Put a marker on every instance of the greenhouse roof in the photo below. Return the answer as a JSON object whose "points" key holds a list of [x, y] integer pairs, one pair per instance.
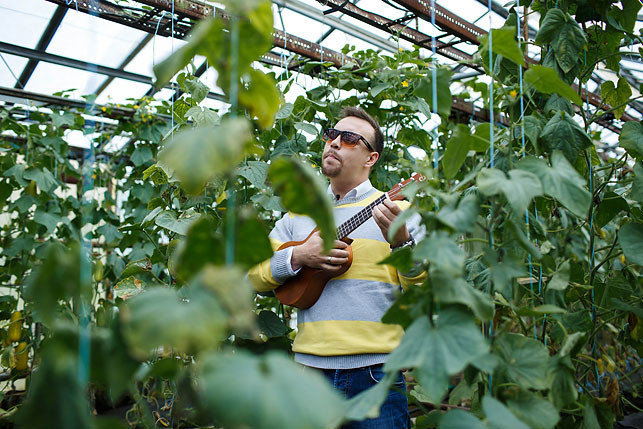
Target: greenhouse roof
{"points": [[109, 47]]}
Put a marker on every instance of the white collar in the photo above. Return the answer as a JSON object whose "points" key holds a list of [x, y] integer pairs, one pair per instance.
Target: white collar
{"points": [[357, 192]]}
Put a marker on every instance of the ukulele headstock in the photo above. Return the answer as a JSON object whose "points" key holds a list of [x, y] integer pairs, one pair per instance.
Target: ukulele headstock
{"points": [[395, 195]]}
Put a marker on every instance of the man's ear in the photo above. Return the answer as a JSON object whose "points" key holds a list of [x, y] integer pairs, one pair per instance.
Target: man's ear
{"points": [[372, 159]]}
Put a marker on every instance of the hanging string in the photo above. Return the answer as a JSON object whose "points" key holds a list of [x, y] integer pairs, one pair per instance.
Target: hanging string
{"points": [[434, 79], [491, 162], [68, 2], [234, 90]]}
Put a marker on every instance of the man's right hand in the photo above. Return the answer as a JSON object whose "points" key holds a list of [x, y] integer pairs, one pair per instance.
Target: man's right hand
{"points": [[310, 254]]}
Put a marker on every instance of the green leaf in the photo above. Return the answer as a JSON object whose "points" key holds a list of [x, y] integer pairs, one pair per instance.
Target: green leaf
{"points": [[197, 89], [202, 115], [307, 128], [442, 252], [261, 97], [499, 416], [271, 325], [630, 236], [302, 191], [519, 189], [568, 45], [202, 245], [564, 134], [533, 127], [58, 278], [560, 279], [637, 184], [43, 178], [255, 172], [561, 181], [305, 398], [611, 205], [157, 173], [252, 243], [284, 111], [460, 419], [137, 267], [110, 232], [504, 43], [524, 242], [524, 361], [456, 152], [438, 350], [168, 220], [561, 374], [448, 290], [401, 259], [545, 80], [424, 89], [17, 172], [205, 153], [67, 118], [464, 217], [47, 219], [141, 155], [616, 96], [551, 23], [128, 287], [556, 103], [631, 138]]}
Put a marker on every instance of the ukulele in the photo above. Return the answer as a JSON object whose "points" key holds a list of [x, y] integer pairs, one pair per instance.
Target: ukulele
{"points": [[304, 289]]}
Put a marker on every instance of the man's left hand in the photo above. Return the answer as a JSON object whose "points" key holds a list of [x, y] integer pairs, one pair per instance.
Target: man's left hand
{"points": [[384, 214]]}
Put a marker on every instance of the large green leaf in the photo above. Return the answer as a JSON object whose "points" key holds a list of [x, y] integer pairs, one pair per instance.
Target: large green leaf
{"points": [[202, 245], [442, 252], [169, 221], [50, 221], [499, 416], [545, 80], [519, 189], [552, 22], [631, 138], [560, 181], [616, 95], [58, 278], [637, 184], [255, 172], [438, 350], [450, 290], [261, 97], [630, 236], [524, 361], [202, 154], [460, 419], [504, 43], [611, 205], [564, 134], [568, 44], [458, 146], [302, 191], [463, 217], [561, 373], [532, 409], [424, 89], [239, 390], [43, 178]]}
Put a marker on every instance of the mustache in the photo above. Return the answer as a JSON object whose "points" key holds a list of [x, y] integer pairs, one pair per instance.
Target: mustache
{"points": [[333, 153]]}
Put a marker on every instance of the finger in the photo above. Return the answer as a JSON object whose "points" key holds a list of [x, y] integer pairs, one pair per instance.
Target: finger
{"points": [[335, 253], [390, 216], [340, 244], [394, 208]]}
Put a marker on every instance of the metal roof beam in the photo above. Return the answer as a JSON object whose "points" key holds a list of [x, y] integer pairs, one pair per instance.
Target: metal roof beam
{"points": [[82, 65], [334, 22], [42, 45]]}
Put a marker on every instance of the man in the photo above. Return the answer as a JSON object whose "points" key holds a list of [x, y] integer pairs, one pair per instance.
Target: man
{"points": [[341, 334]]}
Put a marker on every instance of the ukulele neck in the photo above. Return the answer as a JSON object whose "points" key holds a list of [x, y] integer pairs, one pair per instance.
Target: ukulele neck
{"points": [[356, 220]]}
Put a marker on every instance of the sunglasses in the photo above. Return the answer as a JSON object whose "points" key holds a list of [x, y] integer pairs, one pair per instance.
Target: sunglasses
{"points": [[349, 138]]}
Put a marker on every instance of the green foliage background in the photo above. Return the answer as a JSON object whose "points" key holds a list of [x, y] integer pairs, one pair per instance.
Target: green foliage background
{"points": [[129, 267]]}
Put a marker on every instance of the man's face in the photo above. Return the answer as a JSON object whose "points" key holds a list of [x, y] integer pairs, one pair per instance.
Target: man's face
{"points": [[344, 160]]}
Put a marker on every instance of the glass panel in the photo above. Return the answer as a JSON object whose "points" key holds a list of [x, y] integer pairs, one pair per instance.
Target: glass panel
{"points": [[93, 39], [24, 21], [50, 78], [154, 52], [119, 90], [10, 71]]}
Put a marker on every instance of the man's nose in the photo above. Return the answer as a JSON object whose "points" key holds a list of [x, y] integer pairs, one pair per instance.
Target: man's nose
{"points": [[336, 144]]}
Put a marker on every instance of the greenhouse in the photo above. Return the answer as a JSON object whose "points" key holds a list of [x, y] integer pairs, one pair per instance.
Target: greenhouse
{"points": [[321, 214]]}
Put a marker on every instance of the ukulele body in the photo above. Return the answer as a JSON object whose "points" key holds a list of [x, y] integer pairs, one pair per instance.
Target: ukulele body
{"points": [[304, 289]]}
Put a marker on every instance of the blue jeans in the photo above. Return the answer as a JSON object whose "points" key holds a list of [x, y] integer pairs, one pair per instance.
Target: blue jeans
{"points": [[394, 412]]}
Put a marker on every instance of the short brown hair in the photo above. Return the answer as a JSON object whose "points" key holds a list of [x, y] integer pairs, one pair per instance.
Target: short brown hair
{"points": [[358, 112]]}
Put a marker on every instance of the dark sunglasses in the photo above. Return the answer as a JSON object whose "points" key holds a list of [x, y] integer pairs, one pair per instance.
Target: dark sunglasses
{"points": [[349, 138]]}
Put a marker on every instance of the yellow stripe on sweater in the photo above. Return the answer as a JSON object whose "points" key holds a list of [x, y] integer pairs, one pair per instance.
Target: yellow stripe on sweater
{"points": [[346, 337], [365, 253]]}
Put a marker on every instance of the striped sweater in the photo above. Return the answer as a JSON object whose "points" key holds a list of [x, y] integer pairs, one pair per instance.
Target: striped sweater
{"points": [[343, 328]]}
